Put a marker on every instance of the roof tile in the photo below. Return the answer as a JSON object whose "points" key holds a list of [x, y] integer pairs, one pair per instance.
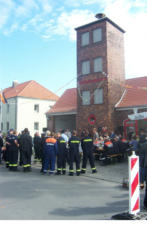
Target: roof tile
{"points": [[66, 103], [136, 93], [30, 89]]}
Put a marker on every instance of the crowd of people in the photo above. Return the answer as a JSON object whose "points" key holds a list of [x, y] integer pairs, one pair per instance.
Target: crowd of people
{"points": [[56, 151]]}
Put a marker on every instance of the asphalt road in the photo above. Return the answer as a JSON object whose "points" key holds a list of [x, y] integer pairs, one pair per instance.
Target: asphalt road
{"points": [[34, 196]]}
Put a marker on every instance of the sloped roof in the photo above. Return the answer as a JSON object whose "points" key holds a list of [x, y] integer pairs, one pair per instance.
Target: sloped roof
{"points": [[67, 103], [135, 93], [30, 89]]}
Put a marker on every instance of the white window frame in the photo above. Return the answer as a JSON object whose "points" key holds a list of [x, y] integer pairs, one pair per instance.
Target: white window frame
{"points": [[85, 67], [87, 100], [98, 65], [85, 39], [97, 35], [100, 99]]}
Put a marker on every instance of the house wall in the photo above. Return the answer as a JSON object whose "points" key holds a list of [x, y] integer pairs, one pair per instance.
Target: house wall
{"points": [[22, 114], [9, 116], [27, 116]]}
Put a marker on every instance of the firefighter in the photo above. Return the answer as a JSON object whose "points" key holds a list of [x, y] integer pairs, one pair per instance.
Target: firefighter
{"points": [[87, 147], [42, 152], [37, 147], [143, 165], [61, 156], [74, 154], [26, 150], [50, 149], [108, 148], [12, 142], [123, 145], [6, 153]]}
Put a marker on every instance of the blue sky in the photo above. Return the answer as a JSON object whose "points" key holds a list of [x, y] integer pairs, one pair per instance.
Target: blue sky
{"points": [[38, 40]]}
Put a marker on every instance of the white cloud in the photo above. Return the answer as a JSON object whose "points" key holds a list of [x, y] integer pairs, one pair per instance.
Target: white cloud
{"points": [[67, 22], [61, 17], [131, 16], [46, 5], [6, 8], [24, 9]]}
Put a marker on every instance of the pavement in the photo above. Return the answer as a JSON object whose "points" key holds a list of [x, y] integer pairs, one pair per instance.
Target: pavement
{"points": [[32, 196]]}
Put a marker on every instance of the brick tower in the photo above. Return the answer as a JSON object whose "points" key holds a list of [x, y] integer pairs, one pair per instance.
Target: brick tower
{"points": [[100, 72]]}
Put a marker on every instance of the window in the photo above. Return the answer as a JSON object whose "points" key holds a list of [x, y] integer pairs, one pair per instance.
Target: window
{"points": [[8, 108], [8, 127], [97, 35], [85, 97], [98, 96], [36, 108], [86, 67], [85, 39], [98, 67], [36, 126]]}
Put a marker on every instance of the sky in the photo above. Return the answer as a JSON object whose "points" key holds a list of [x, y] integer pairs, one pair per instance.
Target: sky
{"points": [[38, 38]]}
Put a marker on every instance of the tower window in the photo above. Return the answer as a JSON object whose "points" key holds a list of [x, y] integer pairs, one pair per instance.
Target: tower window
{"points": [[98, 96], [85, 67], [98, 65], [85, 97], [97, 35], [85, 39]]}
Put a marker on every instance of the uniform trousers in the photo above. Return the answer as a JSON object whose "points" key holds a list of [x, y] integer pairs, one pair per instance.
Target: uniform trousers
{"points": [[49, 160]]}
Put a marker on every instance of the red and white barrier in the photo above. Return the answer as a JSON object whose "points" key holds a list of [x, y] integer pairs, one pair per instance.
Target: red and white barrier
{"points": [[134, 192]]}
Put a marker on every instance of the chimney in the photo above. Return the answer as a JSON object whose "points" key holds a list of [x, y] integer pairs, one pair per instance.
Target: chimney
{"points": [[100, 16], [14, 83]]}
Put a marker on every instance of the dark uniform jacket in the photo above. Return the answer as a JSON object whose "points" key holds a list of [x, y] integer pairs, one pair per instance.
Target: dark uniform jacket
{"points": [[87, 144], [143, 154], [37, 143], [61, 145], [74, 144], [1, 142], [26, 143]]}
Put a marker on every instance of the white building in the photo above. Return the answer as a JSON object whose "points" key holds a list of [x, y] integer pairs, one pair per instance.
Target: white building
{"points": [[26, 106]]}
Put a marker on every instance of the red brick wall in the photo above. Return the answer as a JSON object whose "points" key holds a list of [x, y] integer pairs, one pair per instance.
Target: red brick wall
{"points": [[116, 70], [112, 52]]}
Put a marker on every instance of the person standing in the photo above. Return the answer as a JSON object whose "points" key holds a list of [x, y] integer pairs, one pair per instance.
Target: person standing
{"points": [[61, 156], [26, 149], [87, 147], [50, 149], [13, 151], [6, 153], [143, 150], [140, 152], [37, 146], [74, 154], [1, 145]]}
